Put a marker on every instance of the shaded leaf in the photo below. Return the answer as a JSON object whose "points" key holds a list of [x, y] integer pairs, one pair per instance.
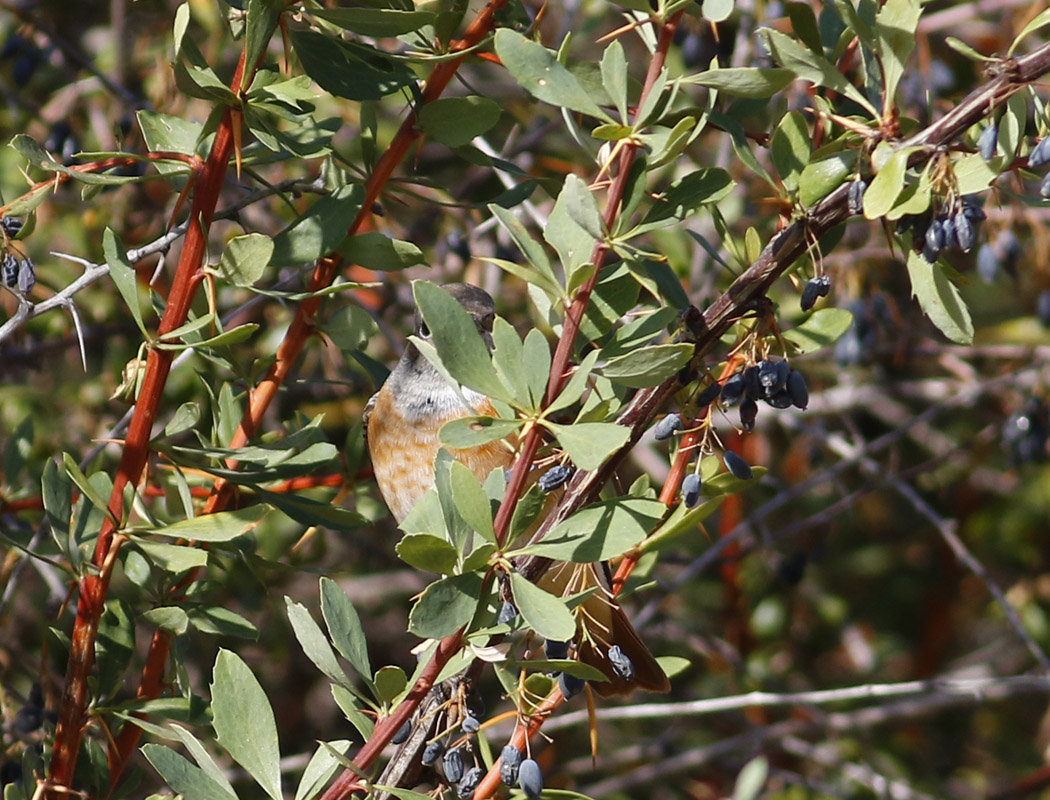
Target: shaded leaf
{"points": [[590, 443], [344, 627], [445, 606], [542, 611], [600, 531], [940, 299]]}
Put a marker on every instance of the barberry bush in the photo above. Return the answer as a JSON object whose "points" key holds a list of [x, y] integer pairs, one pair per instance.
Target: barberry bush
{"points": [[774, 333]]}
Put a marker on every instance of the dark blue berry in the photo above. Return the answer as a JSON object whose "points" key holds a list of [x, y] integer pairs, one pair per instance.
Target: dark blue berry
{"points": [[708, 395], [1040, 154], [570, 685], [988, 142], [554, 650], [554, 478], [797, 390], [733, 389], [509, 762], [667, 427], [469, 782], [432, 752], [621, 663], [452, 765], [530, 778], [737, 465], [748, 414], [965, 234], [855, 199], [402, 733], [691, 490]]}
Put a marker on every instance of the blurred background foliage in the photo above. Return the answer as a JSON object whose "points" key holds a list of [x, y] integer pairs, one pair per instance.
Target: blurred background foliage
{"points": [[837, 576]]}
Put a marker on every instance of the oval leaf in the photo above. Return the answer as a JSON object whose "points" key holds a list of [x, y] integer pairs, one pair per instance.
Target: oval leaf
{"points": [[544, 613], [244, 722]]}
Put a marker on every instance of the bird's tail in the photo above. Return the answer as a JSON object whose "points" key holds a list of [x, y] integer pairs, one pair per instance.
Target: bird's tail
{"points": [[605, 638]]}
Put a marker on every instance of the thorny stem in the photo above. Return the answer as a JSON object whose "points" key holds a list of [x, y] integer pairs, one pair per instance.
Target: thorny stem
{"points": [[94, 587], [263, 394]]}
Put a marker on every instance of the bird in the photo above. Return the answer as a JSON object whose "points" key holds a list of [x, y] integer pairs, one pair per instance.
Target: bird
{"points": [[402, 421]]}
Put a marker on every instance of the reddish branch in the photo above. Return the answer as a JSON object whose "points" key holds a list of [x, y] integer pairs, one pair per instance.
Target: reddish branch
{"points": [[94, 587], [151, 682]]}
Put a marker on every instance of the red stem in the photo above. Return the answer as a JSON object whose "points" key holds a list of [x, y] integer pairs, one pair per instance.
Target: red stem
{"points": [[94, 587]]}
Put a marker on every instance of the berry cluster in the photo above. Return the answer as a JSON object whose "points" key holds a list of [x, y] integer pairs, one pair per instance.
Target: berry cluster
{"points": [[954, 227], [18, 274]]}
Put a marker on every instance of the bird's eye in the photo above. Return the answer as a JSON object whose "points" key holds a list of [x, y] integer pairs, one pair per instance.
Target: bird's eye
{"points": [[424, 331]]}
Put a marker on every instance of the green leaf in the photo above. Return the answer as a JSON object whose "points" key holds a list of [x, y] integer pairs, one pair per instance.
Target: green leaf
{"points": [[790, 148], [601, 531], [220, 621], [318, 230], [543, 276], [538, 70], [445, 606], [185, 417], [349, 69], [455, 336], [261, 21], [32, 152], [169, 618], [805, 26], [508, 355], [1041, 20], [822, 176], [84, 484], [321, 768], [374, 250], [313, 641], [755, 82], [56, 490], [219, 527], [245, 258], [348, 704], [455, 121], [542, 611], [310, 512], [123, 275], [344, 627], [686, 195], [973, 174], [467, 432], [390, 681], [536, 366], [648, 366], [565, 234], [590, 443], [429, 552], [577, 384], [940, 299], [822, 329], [350, 327], [614, 76], [895, 27], [172, 557], [377, 22], [244, 722], [163, 132], [812, 67], [887, 184], [471, 502], [581, 205], [183, 777]]}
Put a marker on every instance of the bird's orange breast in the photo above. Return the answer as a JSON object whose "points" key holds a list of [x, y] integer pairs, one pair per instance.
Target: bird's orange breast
{"points": [[403, 451]]}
